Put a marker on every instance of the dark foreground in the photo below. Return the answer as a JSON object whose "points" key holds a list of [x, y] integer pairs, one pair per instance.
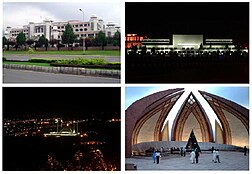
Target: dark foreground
{"points": [[207, 69]]}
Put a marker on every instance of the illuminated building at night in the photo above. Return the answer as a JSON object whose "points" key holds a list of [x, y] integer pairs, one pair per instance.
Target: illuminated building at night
{"points": [[146, 124], [183, 44], [133, 39]]}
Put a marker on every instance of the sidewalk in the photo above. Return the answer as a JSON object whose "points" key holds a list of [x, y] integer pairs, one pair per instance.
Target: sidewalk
{"points": [[229, 161]]}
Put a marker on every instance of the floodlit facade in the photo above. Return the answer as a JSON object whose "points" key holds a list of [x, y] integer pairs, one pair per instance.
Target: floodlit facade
{"points": [[54, 30], [133, 39], [186, 44]]}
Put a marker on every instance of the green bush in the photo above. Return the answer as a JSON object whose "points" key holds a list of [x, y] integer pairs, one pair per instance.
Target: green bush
{"points": [[4, 59], [30, 51], [114, 63], [81, 61]]}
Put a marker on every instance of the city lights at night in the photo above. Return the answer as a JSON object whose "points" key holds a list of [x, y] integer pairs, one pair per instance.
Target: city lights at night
{"points": [[61, 129]]}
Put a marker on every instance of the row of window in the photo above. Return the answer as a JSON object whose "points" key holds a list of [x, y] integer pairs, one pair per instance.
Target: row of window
{"points": [[74, 26], [18, 31], [81, 29]]}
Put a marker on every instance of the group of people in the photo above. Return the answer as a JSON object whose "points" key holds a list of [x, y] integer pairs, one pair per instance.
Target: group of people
{"points": [[156, 156], [194, 156]]}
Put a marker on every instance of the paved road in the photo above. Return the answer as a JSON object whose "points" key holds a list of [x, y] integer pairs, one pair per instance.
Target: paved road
{"points": [[25, 57], [229, 161], [20, 76]]}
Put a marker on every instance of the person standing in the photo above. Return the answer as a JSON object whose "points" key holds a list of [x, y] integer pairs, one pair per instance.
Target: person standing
{"points": [[245, 150], [157, 156], [217, 156], [197, 155], [184, 151], [214, 155], [192, 156], [154, 155]]}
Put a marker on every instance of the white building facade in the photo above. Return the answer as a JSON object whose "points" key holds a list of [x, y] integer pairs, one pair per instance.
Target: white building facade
{"points": [[190, 44], [54, 30]]}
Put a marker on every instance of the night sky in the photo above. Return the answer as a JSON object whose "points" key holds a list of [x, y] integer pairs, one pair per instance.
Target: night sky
{"points": [[68, 101], [212, 19]]}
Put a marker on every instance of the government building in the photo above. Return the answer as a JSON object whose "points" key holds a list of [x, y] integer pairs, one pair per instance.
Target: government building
{"points": [[54, 30], [146, 125], [181, 44]]}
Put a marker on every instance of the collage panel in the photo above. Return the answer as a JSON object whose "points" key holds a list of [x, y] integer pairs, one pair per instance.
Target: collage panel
{"points": [[187, 42], [61, 42], [61, 129], [187, 128]]}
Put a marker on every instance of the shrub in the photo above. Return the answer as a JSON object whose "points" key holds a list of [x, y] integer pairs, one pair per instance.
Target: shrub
{"points": [[4, 59], [30, 51], [81, 61]]}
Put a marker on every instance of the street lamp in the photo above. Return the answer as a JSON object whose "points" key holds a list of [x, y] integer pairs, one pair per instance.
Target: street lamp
{"points": [[83, 44]]}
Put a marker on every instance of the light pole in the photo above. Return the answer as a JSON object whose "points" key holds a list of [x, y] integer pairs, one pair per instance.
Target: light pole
{"points": [[83, 32]]}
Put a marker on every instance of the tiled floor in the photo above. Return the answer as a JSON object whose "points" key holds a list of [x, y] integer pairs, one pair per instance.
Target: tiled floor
{"points": [[229, 161]]}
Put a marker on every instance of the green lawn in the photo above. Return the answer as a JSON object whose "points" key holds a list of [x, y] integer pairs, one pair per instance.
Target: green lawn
{"points": [[27, 63], [87, 52]]}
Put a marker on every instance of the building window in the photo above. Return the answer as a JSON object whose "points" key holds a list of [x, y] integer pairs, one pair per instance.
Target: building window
{"points": [[62, 26], [85, 25], [58, 27], [85, 29], [81, 25], [77, 29], [76, 25], [81, 29]]}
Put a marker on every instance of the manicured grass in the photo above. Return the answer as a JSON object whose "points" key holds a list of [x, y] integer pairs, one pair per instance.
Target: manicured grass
{"points": [[87, 52], [27, 63]]}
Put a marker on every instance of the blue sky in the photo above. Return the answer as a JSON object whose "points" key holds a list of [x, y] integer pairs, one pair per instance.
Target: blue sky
{"points": [[238, 95]]}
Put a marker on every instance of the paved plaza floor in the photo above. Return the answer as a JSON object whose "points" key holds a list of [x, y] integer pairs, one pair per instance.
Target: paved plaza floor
{"points": [[229, 161]]}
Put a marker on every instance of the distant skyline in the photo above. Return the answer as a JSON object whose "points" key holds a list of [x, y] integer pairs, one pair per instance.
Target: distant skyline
{"points": [[17, 14], [212, 19], [69, 102]]}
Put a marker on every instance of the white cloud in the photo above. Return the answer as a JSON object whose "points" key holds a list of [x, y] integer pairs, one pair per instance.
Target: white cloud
{"points": [[19, 14]]}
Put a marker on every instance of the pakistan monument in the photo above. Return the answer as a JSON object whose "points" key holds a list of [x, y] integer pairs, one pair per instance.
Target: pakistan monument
{"points": [[147, 128]]}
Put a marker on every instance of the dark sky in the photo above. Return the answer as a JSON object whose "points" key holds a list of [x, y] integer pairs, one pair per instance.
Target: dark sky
{"points": [[69, 101], [213, 19]]}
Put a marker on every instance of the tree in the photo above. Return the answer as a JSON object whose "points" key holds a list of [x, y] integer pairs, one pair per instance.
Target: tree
{"points": [[101, 39], [21, 39], [5, 41], [117, 39], [68, 36], [88, 42], [42, 40]]}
